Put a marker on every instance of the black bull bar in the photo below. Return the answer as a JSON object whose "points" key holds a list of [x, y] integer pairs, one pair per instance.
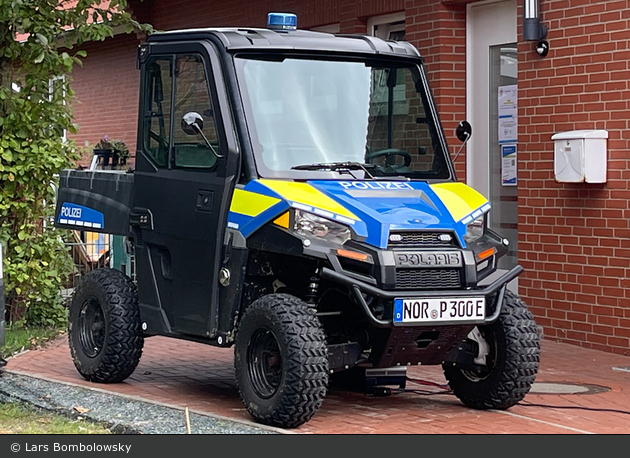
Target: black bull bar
{"points": [[359, 287]]}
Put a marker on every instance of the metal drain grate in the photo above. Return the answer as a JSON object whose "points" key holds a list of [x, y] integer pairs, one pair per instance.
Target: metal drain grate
{"points": [[566, 388]]}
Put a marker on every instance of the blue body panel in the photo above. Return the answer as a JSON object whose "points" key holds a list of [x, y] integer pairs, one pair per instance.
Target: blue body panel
{"points": [[391, 205]]}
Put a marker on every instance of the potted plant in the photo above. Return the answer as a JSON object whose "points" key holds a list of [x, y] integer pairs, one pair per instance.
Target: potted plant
{"points": [[120, 152], [103, 149]]}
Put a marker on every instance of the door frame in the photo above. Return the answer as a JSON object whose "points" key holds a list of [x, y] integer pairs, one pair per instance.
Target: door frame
{"points": [[488, 23], [502, 18]]}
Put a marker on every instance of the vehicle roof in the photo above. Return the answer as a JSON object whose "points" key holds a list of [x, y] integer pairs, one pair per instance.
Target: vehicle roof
{"points": [[256, 39]]}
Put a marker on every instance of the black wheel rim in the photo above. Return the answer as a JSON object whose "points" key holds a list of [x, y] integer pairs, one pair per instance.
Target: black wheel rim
{"points": [[264, 363], [483, 372], [91, 328]]}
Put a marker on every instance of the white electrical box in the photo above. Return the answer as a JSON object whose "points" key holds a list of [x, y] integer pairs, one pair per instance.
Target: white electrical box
{"points": [[580, 156]]}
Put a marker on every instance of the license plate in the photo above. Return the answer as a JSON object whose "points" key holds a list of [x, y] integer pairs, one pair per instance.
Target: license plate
{"points": [[454, 309]]}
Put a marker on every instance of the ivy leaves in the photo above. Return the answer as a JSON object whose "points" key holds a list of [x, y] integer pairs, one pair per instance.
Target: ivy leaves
{"points": [[38, 41]]}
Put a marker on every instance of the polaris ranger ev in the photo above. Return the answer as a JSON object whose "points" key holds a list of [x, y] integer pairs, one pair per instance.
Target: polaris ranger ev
{"points": [[293, 196]]}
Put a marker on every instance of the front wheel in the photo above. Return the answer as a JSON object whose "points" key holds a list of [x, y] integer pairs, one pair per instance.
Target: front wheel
{"points": [[281, 361], [507, 353], [104, 329]]}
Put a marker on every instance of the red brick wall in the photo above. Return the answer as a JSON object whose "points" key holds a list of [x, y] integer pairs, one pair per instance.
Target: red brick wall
{"points": [[352, 15], [106, 91], [574, 238]]}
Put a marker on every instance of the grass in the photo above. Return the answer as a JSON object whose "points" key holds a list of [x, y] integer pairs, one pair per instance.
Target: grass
{"points": [[20, 338], [22, 418]]}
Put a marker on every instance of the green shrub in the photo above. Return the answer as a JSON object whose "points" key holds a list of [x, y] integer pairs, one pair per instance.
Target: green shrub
{"points": [[33, 123]]}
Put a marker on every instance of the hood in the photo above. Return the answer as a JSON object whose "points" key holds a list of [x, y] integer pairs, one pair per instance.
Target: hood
{"points": [[371, 208]]}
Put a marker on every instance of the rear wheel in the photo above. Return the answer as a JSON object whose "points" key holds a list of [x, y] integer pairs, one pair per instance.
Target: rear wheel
{"points": [[281, 361], [104, 329], [508, 353]]}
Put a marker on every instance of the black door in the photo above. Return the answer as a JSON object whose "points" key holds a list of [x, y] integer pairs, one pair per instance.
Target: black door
{"points": [[182, 190]]}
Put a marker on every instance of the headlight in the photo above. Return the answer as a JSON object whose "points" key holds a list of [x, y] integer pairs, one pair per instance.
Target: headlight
{"points": [[310, 226], [475, 229]]}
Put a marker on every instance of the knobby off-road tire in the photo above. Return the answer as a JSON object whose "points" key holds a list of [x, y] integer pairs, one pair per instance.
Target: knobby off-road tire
{"points": [[281, 361], [512, 361], [104, 329]]}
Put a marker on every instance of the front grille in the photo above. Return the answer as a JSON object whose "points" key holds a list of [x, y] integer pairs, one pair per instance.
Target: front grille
{"points": [[428, 278], [421, 239]]}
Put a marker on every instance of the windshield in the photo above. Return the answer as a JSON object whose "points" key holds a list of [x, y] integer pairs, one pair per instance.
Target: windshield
{"points": [[308, 116]]}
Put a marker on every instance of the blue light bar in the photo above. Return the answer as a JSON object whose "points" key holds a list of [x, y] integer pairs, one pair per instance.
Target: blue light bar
{"points": [[281, 21]]}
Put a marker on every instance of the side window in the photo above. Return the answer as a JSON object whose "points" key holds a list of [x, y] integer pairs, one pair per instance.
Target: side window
{"points": [[157, 110], [195, 138], [178, 92]]}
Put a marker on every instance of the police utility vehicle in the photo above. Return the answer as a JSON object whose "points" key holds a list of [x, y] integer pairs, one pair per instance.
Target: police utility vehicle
{"points": [[293, 197]]}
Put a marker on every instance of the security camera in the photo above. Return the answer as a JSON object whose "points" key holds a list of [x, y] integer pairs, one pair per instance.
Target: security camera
{"points": [[542, 48]]}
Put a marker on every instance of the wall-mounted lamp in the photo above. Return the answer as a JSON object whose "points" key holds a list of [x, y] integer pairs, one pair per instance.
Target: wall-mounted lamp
{"points": [[533, 30], [542, 48]]}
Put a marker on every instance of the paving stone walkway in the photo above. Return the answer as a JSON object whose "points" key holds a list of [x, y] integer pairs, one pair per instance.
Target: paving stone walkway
{"points": [[577, 391]]}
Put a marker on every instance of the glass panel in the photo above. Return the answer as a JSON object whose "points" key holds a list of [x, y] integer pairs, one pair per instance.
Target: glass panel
{"points": [[192, 96], [157, 119], [305, 112], [503, 193], [400, 137]]}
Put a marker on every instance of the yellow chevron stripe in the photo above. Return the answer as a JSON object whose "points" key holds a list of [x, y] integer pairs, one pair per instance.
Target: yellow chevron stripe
{"points": [[459, 199], [306, 194], [251, 203]]}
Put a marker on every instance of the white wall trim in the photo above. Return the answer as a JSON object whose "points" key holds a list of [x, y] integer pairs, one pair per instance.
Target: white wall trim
{"points": [[375, 21]]}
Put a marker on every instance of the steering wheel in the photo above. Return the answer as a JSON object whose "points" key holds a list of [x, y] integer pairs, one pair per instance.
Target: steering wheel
{"points": [[389, 152]]}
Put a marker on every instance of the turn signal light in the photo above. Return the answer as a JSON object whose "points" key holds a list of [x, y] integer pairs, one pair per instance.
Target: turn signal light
{"points": [[282, 220], [486, 253], [352, 255]]}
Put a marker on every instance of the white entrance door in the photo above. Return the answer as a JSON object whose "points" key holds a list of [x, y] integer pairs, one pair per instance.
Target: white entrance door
{"points": [[491, 63]]}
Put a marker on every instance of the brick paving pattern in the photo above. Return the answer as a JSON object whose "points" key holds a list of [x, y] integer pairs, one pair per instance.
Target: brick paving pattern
{"points": [[201, 377]]}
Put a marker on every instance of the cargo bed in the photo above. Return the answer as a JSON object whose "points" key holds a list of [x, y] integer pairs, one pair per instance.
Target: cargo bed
{"points": [[95, 200]]}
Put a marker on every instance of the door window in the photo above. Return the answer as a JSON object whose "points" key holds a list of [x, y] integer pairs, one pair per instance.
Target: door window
{"points": [[157, 113], [179, 117], [195, 145]]}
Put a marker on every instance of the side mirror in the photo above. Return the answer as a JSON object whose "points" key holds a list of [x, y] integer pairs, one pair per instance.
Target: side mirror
{"points": [[463, 131], [192, 123]]}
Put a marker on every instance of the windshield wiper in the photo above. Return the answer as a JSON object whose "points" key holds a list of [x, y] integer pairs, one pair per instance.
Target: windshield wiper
{"points": [[340, 167]]}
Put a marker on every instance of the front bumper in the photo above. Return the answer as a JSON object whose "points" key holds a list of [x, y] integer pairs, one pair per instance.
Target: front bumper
{"points": [[359, 288]]}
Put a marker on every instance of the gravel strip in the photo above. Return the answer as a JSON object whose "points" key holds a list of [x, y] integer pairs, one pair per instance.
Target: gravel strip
{"points": [[121, 414]]}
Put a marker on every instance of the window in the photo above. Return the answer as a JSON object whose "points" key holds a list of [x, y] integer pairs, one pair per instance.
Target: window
{"points": [[388, 27], [304, 112], [391, 27], [57, 88], [179, 118], [157, 114]]}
